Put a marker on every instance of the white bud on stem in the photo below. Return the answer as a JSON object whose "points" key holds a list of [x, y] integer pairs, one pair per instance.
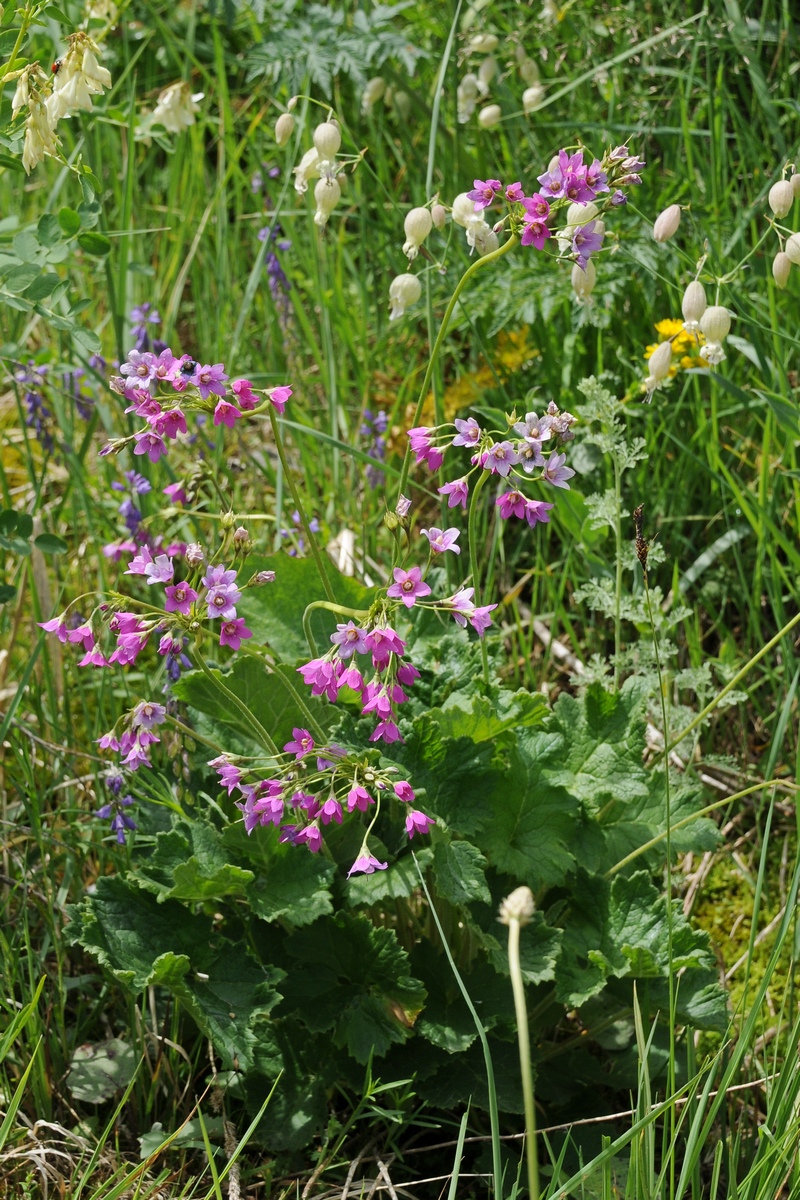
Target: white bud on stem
{"points": [[667, 223], [404, 291], [781, 198], [486, 73], [327, 139], [284, 128], [417, 226], [373, 92], [795, 182], [529, 71], [781, 266], [483, 43], [792, 248], [439, 215], [693, 306], [716, 323], [490, 116], [531, 98], [583, 281], [519, 906]]}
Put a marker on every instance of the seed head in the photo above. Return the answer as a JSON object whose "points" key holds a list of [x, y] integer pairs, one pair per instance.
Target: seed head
{"points": [[667, 223]]}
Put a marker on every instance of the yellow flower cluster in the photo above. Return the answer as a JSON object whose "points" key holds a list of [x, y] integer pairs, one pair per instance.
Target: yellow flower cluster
{"points": [[685, 346]]}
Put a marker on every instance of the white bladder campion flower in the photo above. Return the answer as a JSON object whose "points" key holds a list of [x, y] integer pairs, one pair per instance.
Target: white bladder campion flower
{"points": [[284, 128], [306, 169], [373, 92], [466, 96], [781, 198], [781, 266], [715, 323], [658, 364], [327, 194], [404, 291], [417, 226], [583, 281], [666, 224], [327, 140], [693, 305], [490, 116], [532, 97]]}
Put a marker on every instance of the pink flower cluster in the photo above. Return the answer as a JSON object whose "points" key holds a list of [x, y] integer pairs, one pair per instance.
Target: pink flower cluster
{"points": [[496, 453], [316, 795], [153, 383], [134, 742], [568, 180]]}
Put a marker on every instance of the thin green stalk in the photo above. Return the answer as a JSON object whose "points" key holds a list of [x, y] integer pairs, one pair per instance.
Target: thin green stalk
{"points": [[448, 313], [523, 1039], [312, 541], [618, 579], [311, 721], [252, 721], [738, 677], [473, 561]]}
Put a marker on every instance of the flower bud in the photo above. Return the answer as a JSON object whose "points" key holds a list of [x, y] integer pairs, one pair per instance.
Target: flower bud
{"points": [[781, 266], [265, 577], [341, 179], [463, 210], [327, 195], [660, 362], [483, 43], [795, 182], [327, 139], [781, 197], [403, 507], [519, 906], [716, 323], [417, 226], [529, 71], [490, 116], [583, 281], [792, 248], [439, 215], [241, 538], [667, 223], [227, 520], [486, 73], [284, 128], [693, 305], [531, 99], [402, 103], [404, 291], [292, 105], [373, 92], [194, 554]]}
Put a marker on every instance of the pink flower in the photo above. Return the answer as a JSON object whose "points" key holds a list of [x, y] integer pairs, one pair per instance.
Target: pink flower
{"points": [[243, 390], [537, 511], [500, 459], [511, 504], [408, 586], [351, 639], [312, 837], [480, 619], [417, 822], [147, 714], [301, 744], [442, 540], [83, 633], [536, 207], [176, 493], [456, 492], [93, 658], [404, 791], [460, 605], [138, 565], [556, 473], [514, 193], [469, 432], [234, 632], [170, 424], [129, 645], [140, 368], [358, 798], [407, 673], [331, 811], [223, 593], [484, 192], [279, 397], [56, 625], [386, 731], [535, 234], [160, 570], [226, 414], [179, 598], [366, 864], [210, 380], [383, 642], [150, 444]]}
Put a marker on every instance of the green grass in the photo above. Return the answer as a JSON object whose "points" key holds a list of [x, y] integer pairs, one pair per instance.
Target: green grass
{"points": [[713, 108]]}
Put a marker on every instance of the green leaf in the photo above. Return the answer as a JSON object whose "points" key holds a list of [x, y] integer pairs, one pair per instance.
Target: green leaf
{"points": [[20, 278], [8, 521], [263, 691], [86, 339], [48, 543], [446, 1021], [457, 774], [7, 592], [288, 886], [189, 864], [88, 210], [24, 525], [43, 286], [482, 718], [352, 978], [16, 544], [97, 1071], [10, 163], [274, 611], [69, 221], [397, 882], [26, 246], [459, 872], [94, 243]]}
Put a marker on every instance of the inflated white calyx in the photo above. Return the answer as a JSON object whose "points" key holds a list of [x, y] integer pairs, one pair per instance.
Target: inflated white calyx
{"points": [[327, 195], [579, 214], [483, 43], [327, 140], [781, 197], [781, 266], [439, 215], [463, 209], [490, 116], [486, 73], [667, 223], [693, 305], [404, 291], [466, 96], [792, 248], [417, 226], [583, 281], [528, 70], [660, 361], [531, 98], [373, 92], [715, 323], [284, 128], [795, 182]]}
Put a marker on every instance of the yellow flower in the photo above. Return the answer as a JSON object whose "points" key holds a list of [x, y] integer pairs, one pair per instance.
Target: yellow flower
{"points": [[668, 328]]}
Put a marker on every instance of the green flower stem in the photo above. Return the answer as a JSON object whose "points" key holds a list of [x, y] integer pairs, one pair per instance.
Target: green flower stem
{"points": [[738, 677], [311, 721], [523, 1039], [358, 613], [326, 583], [695, 816], [473, 560], [194, 735], [448, 313], [256, 726]]}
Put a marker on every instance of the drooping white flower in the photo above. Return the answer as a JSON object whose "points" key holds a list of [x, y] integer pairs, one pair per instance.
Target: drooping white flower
{"points": [[306, 169], [40, 138], [404, 291], [693, 305], [490, 116], [417, 226], [486, 73], [21, 95], [463, 209], [327, 195], [528, 70], [792, 248], [666, 223], [531, 98], [373, 92], [781, 266], [583, 281], [715, 323], [439, 215], [176, 107], [483, 43], [658, 365], [327, 140], [781, 198], [79, 77], [466, 97], [284, 128]]}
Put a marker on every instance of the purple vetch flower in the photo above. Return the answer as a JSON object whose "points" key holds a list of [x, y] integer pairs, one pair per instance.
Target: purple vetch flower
{"points": [[441, 540], [469, 433], [417, 822], [500, 458], [456, 491], [484, 192], [556, 473], [585, 243], [302, 743], [408, 586]]}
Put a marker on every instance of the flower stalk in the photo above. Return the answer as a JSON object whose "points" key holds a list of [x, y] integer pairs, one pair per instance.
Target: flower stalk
{"points": [[516, 911]]}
